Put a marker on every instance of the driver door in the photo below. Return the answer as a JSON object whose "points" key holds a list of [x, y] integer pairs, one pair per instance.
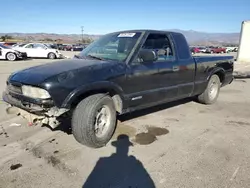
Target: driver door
{"points": [[157, 81]]}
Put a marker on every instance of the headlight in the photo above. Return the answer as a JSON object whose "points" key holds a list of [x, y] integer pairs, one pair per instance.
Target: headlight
{"points": [[35, 92]]}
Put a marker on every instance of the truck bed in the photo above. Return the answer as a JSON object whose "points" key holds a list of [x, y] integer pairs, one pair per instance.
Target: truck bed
{"points": [[200, 59]]}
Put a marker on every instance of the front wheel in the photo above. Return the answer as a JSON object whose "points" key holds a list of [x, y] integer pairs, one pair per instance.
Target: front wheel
{"points": [[51, 55], [94, 120], [210, 95], [11, 56]]}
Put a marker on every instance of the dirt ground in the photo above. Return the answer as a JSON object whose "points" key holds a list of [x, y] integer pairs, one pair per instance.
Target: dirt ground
{"points": [[181, 144]]}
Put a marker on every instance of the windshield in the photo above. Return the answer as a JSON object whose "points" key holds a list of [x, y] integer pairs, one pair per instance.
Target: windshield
{"points": [[4, 47], [115, 47]]}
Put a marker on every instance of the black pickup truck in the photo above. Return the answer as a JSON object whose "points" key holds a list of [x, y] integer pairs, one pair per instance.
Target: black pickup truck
{"points": [[119, 73]]}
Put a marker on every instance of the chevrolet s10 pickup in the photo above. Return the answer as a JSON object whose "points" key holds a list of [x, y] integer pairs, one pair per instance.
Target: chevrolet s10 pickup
{"points": [[119, 73]]}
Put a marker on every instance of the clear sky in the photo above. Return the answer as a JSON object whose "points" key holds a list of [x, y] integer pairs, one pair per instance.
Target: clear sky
{"points": [[103, 16]]}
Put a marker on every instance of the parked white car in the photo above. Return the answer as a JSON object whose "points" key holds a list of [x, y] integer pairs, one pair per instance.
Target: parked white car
{"points": [[202, 49], [39, 50], [229, 49], [10, 54]]}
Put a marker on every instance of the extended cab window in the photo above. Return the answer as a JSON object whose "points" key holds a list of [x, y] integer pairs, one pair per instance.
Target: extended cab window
{"points": [[159, 43]]}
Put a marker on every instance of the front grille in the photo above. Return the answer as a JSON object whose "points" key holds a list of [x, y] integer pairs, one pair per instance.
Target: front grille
{"points": [[14, 88]]}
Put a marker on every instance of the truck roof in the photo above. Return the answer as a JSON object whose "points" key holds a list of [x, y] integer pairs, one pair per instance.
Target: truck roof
{"points": [[147, 31]]}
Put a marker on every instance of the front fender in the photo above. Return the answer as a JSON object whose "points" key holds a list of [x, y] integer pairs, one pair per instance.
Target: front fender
{"points": [[104, 85]]}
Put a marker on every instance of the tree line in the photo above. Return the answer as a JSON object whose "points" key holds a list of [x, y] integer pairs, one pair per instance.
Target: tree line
{"points": [[6, 37]]}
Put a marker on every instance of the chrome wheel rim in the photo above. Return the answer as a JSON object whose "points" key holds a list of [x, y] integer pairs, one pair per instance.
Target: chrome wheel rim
{"points": [[213, 90], [11, 57], [102, 121]]}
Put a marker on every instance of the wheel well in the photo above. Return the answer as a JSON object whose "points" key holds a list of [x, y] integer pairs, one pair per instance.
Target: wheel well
{"points": [[221, 76], [112, 93]]}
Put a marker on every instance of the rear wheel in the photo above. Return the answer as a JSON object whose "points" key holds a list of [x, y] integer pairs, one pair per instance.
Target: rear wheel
{"points": [[94, 120], [210, 95], [11, 56]]}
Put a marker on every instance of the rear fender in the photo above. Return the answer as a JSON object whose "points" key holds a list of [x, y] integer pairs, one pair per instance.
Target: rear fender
{"points": [[216, 70]]}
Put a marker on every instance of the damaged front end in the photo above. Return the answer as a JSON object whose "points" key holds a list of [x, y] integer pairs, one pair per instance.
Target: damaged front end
{"points": [[36, 111], [51, 118]]}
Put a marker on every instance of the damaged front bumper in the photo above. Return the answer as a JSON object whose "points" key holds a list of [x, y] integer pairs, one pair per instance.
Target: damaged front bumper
{"points": [[36, 111]]}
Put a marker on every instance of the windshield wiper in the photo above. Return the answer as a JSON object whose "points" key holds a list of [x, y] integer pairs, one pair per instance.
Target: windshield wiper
{"points": [[94, 57]]}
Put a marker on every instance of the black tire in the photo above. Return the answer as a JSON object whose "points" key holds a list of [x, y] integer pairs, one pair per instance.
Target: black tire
{"points": [[84, 119], [52, 55], [206, 97], [11, 56]]}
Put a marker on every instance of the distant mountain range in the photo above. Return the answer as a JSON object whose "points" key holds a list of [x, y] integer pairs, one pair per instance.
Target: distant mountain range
{"points": [[193, 37], [203, 38]]}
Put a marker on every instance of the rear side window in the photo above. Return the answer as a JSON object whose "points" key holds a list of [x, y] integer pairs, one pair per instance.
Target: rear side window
{"points": [[181, 46]]}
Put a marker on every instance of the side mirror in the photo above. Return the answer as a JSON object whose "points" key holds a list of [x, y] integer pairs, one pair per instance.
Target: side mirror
{"points": [[147, 56]]}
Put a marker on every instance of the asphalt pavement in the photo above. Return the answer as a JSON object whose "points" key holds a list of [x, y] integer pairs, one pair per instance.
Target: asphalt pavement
{"points": [[181, 144]]}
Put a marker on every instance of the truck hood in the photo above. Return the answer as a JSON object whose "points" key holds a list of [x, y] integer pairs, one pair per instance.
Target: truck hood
{"points": [[38, 74]]}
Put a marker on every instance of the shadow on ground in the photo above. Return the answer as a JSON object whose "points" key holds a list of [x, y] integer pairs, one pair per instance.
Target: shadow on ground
{"points": [[65, 125], [154, 109], [119, 169]]}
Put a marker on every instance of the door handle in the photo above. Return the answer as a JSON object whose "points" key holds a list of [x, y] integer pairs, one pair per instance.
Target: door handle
{"points": [[176, 68]]}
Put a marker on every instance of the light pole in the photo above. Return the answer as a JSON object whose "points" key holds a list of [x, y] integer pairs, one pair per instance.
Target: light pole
{"points": [[82, 32]]}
